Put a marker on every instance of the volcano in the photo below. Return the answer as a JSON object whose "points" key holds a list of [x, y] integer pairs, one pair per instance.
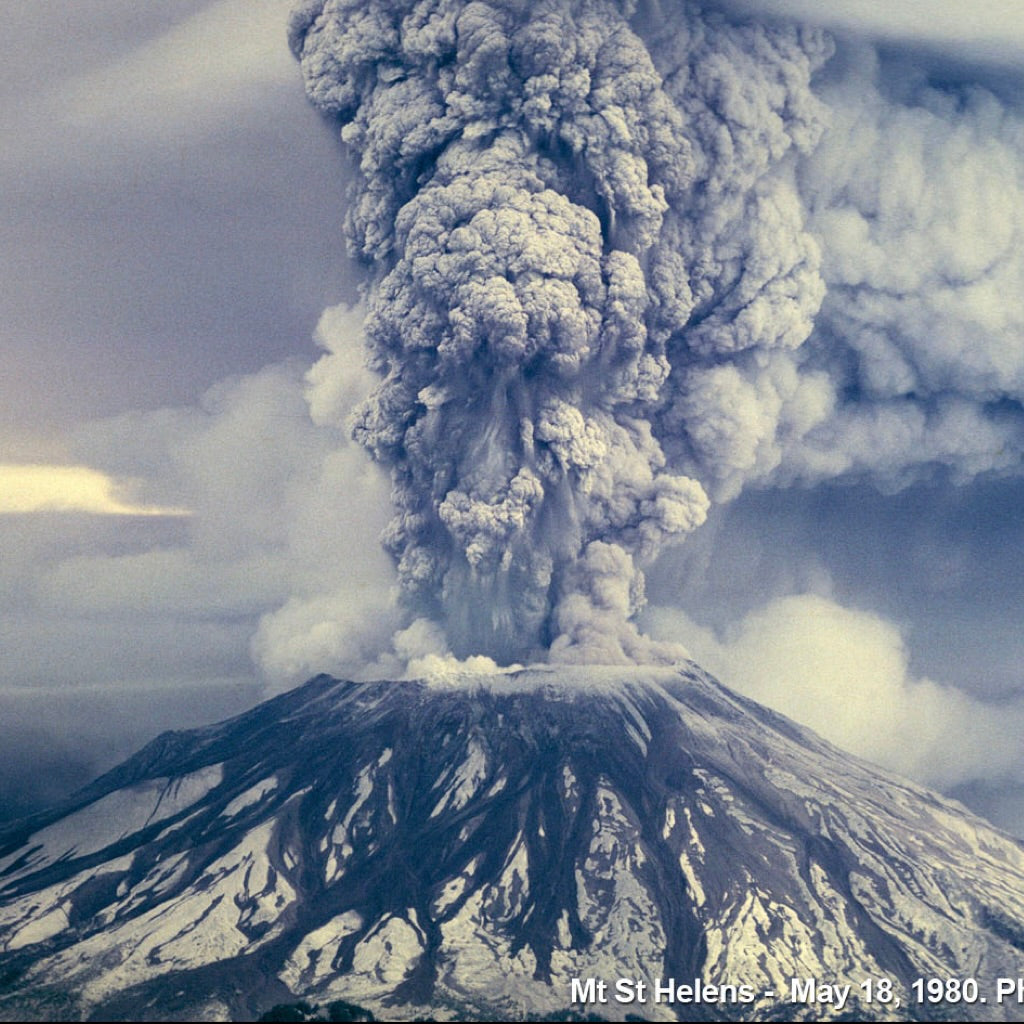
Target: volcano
{"points": [[599, 840]]}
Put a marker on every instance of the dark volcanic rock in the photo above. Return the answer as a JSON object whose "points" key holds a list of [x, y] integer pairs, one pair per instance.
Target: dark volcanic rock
{"points": [[469, 846]]}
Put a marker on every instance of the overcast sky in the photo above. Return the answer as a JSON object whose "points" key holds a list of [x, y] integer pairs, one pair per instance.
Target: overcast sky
{"points": [[170, 234]]}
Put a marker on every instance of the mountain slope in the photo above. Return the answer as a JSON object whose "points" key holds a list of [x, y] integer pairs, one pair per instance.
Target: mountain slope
{"points": [[471, 847]]}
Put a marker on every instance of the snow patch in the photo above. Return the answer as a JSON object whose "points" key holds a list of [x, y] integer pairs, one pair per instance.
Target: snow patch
{"points": [[253, 795], [112, 818], [466, 780], [390, 952], [312, 960]]}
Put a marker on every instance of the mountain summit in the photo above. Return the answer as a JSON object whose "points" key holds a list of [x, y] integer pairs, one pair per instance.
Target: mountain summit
{"points": [[614, 841]]}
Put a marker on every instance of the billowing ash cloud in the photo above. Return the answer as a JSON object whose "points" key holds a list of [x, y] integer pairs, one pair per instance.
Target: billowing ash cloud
{"points": [[580, 242], [922, 332], [914, 363], [625, 260]]}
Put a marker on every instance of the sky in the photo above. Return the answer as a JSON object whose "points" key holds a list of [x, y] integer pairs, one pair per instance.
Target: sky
{"points": [[186, 525]]}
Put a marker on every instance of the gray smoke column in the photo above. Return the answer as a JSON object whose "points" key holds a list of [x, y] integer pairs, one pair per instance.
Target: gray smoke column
{"points": [[579, 242]]}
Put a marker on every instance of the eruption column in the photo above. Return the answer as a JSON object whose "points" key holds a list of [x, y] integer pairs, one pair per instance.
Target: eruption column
{"points": [[564, 249]]}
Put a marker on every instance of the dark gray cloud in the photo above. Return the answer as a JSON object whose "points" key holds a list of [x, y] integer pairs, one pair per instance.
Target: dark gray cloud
{"points": [[573, 230]]}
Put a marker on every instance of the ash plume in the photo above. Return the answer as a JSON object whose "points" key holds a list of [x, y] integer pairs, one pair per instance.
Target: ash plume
{"points": [[886, 267], [575, 237]]}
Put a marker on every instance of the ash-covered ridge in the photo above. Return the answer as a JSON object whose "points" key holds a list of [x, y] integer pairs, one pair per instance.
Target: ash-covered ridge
{"points": [[468, 846]]}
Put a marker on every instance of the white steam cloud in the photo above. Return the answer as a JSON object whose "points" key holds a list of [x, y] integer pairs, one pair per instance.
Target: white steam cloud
{"points": [[845, 673]]}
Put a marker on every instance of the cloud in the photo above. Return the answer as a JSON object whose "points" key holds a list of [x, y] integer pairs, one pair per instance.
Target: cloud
{"points": [[887, 246], [988, 30], [920, 335], [623, 267], [168, 233], [340, 612], [282, 543], [845, 673], [33, 487], [199, 69]]}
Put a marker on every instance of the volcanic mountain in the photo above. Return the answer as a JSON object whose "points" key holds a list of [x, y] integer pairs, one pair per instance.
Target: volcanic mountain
{"points": [[491, 847]]}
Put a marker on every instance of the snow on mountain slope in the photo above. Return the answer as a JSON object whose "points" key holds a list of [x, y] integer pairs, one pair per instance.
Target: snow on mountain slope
{"points": [[471, 846]]}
